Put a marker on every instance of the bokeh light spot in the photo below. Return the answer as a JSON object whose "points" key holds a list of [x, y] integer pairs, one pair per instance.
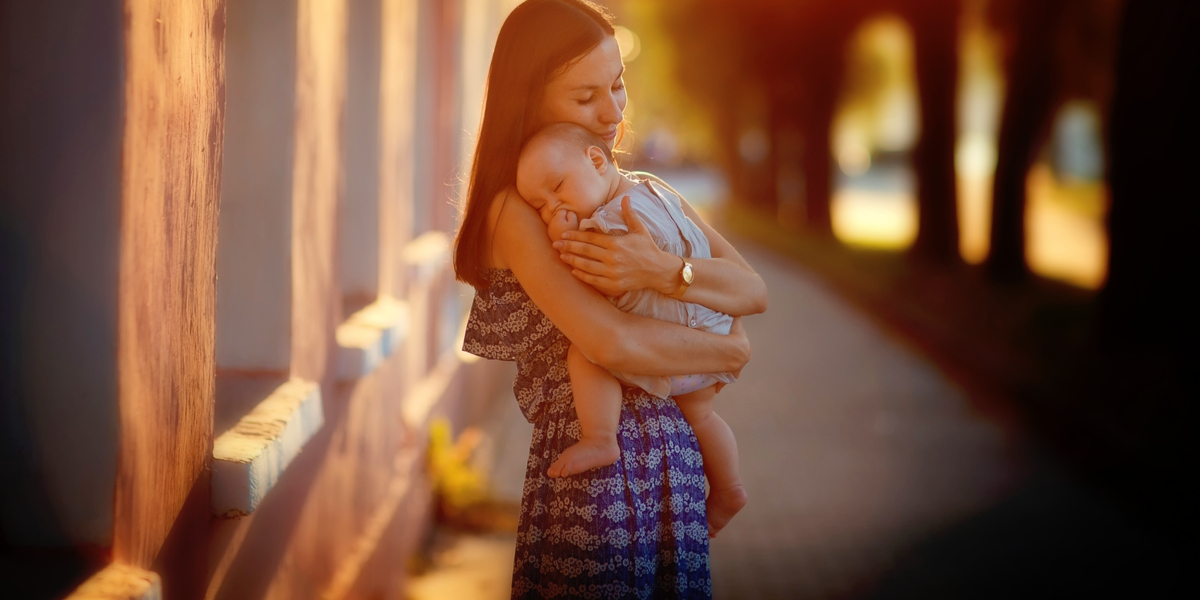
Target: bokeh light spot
{"points": [[629, 43]]}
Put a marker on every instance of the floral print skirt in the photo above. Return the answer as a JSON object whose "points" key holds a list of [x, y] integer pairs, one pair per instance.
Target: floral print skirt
{"points": [[634, 529]]}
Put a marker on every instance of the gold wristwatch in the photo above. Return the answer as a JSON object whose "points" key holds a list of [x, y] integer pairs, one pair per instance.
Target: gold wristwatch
{"points": [[685, 279]]}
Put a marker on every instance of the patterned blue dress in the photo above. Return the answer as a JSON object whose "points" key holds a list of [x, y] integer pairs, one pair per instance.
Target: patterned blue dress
{"points": [[634, 529]]}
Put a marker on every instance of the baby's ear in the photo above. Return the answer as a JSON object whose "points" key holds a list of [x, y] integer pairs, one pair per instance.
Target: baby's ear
{"points": [[599, 161]]}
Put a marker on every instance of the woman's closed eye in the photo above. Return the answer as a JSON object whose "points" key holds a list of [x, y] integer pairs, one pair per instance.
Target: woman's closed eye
{"points": [[592, 98]]}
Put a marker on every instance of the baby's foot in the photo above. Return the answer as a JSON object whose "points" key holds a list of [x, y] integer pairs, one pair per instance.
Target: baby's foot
{"points": [[721, 507], [585, 455]]}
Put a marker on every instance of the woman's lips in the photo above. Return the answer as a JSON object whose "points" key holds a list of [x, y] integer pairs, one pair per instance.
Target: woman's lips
{"points": [[610, 135]]}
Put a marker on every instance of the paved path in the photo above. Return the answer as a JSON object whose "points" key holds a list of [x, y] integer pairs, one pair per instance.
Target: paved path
{"points": [[869, 475], [853, 447]]}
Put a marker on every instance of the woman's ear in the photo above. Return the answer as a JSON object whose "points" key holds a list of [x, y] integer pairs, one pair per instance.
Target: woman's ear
{"points": [[596, 155]]}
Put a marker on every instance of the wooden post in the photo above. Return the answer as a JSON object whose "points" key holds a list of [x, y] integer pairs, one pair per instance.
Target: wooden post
{"points": [[823, 77], [170, 186], [935, 33]]}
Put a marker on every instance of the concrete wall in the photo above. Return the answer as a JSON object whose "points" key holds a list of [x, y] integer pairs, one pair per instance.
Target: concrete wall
{"points": [[112, 143], [254, 257], [157, 246], [317, 184], [59, 238], [360, 228], [437, 103], [397, 153], [354, 503]]}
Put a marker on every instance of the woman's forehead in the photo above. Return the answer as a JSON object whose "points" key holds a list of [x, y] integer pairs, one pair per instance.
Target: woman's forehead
{"points": [[598, 68]]}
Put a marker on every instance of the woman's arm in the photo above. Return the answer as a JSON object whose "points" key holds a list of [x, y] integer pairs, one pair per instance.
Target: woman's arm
{"points": [[617, 264], [729, 277], [611, 338]]}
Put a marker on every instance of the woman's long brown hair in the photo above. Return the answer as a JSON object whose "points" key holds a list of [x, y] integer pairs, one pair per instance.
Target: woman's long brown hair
{"points": [[538, 40]]}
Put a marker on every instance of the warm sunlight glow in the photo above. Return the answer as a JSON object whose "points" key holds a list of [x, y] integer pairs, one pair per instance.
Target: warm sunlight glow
{"points": [[629, 43], [980, 95], [853, 157], [874, 129], [878, 108], [975, 163], [463, 355], [883, 220], [1065, 233]]}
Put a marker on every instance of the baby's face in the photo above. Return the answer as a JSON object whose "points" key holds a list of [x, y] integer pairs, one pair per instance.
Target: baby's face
{"points": [[557, 181]]}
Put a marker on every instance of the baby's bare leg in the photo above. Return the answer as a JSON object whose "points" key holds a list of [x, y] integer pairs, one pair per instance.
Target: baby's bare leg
{"points": [[598, 404], [726, 495]]}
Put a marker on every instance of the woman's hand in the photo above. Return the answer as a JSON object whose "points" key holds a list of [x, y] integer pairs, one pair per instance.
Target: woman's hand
{"points": [[737, 332], [618, 264]]}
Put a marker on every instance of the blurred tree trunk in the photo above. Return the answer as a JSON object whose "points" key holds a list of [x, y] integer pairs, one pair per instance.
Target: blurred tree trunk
{"points": [[1028, 106], [824, 60], [935, 32], [1153, 133], [816, 123]]}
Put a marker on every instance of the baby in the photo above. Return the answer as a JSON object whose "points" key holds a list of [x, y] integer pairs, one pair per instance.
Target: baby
{"points": [[564, 171]]}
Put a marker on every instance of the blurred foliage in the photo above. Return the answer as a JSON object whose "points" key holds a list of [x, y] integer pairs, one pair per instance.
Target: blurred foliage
{"points": [[709, 69], [658, 98], [455, 481]]}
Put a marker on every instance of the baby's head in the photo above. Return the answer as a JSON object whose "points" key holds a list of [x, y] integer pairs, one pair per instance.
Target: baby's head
{"points": [[566, 168]]}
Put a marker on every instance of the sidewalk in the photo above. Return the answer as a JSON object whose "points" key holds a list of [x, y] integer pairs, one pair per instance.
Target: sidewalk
{"points": [[852, 448], [869, 475]]}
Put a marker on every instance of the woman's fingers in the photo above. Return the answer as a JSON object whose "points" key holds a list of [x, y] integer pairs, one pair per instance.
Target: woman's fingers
{"points": [[581, 248], [590, 237], [624, 263], [737, 329], [632, 220], [738, 332], [599, 275], [595, 274], [586, 264]]}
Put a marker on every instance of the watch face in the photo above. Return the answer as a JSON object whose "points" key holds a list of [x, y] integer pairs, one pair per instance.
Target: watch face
{"points": [[687, 273]]}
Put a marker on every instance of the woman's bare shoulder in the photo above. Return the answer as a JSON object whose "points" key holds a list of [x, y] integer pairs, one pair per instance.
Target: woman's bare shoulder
{"points": [[511, 224]]}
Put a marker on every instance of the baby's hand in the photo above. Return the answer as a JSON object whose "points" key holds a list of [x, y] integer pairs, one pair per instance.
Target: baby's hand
{"points": [[563, 220]]}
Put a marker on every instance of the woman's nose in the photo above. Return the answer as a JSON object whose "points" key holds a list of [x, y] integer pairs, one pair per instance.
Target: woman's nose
{"points": [[610, 113]]}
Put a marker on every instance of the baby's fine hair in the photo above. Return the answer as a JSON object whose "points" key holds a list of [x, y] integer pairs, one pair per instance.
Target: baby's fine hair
{"points": [[572, 135]]}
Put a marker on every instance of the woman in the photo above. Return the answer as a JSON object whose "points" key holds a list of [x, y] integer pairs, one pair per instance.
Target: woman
{"points": [[637, 527]]}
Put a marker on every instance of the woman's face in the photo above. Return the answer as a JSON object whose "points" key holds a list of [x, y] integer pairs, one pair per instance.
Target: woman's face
{"points": [[591, 93]]}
